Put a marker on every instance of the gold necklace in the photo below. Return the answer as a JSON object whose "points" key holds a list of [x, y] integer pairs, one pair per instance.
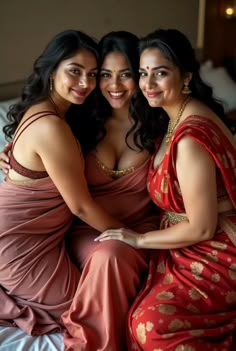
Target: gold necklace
{"points": [[171, 128]]}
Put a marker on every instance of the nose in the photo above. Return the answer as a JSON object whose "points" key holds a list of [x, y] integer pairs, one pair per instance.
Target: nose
{"points": [[83, 81], [115, 80], [150, 81]]}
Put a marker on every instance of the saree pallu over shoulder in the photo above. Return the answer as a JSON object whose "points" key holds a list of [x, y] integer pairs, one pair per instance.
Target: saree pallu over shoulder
{"points": [[221, 146], [37, 278], [189, 299]]}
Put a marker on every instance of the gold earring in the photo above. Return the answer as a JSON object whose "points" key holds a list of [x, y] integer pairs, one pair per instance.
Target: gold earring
{"points": [[50, 83], [186, 90]]}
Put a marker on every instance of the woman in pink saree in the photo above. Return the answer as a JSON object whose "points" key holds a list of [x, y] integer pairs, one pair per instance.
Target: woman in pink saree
{"points": [[45, 187], [189, 299], [116, 171]]}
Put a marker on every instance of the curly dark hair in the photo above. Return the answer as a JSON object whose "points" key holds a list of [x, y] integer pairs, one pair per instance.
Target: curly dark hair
{"points": [[61, 47], [175, 46]]}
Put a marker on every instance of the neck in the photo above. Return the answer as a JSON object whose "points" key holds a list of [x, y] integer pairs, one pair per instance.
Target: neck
{"points": [[59, 106], [173, 124], [173, 111], [121, 114]]}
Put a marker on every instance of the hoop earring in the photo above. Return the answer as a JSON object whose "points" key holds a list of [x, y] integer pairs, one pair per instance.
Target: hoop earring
{"points": [[50, 83], [186, 90]]}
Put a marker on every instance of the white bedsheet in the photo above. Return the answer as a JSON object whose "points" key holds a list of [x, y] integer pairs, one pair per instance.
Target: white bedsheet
{"points": [[14, 339]]}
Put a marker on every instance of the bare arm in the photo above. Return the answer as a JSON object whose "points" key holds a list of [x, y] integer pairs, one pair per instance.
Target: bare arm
{"points": [[197, 180], [61, 156]]}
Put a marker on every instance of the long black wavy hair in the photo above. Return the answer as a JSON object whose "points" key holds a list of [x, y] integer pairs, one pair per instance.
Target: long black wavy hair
{"points": [[125, 43], [175, 46], [36, 89]]}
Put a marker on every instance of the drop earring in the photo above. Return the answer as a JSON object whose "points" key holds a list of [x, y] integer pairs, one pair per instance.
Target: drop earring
{"points": [[50, 83], [186, 90]]}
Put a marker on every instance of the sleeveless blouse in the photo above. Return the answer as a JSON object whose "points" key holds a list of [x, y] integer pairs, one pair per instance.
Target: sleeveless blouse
{"points": [[15, 165]]}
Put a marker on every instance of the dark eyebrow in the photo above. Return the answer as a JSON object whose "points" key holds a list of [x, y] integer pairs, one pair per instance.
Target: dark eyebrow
{"points": [[154, 68], [121, 71], [80, 66]]}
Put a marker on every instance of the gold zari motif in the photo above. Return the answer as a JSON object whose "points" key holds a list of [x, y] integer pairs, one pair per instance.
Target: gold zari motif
{"points": [[174, 217]]}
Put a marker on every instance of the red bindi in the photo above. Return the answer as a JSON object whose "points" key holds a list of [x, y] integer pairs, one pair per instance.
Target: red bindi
{"points": [[147, 67]]}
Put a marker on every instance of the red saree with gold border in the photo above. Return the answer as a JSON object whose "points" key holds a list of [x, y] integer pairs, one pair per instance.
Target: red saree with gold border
{"points": [[189, 299]]}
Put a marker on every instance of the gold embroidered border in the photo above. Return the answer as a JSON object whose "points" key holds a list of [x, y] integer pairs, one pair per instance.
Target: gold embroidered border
{"points": [[228, 227], [225, 223], [174, 217]]}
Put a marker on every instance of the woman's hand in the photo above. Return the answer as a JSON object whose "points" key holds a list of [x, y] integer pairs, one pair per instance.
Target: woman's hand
{"points": [[4, 158], [123, 234]]}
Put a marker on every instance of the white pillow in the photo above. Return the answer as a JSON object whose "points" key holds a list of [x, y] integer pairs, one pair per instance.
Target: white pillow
{"points": [[224, 88], [4, 107]]}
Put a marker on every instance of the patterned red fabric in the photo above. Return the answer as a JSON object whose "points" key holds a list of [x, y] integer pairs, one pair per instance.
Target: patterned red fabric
{"points": [[189, 299]]}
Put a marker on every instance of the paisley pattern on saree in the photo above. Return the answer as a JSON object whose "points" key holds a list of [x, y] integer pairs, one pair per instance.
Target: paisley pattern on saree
{"points": [[189, 300]]}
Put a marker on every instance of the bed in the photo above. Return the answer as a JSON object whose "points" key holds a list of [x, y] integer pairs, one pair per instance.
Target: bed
{"points": [[14, 339]]}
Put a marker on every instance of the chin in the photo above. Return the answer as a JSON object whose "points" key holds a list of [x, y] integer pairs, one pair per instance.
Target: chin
{"points": [[153, 104], [116, 105], [79, 100]]}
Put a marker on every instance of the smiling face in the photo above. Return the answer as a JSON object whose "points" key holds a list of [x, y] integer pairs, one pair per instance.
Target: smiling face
{"points": [[116, 82], [75, 78], [160, 80]]}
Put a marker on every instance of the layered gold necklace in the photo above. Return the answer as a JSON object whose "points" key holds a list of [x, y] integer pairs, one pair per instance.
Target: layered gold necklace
{"points": [[171, 128]]}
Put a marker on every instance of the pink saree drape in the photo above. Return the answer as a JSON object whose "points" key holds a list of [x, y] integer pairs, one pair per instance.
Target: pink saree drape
{"points": [[112, 271], [37, 278]]}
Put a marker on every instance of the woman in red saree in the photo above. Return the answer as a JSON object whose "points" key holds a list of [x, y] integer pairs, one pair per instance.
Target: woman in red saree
{"points": [[189, 299]]}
